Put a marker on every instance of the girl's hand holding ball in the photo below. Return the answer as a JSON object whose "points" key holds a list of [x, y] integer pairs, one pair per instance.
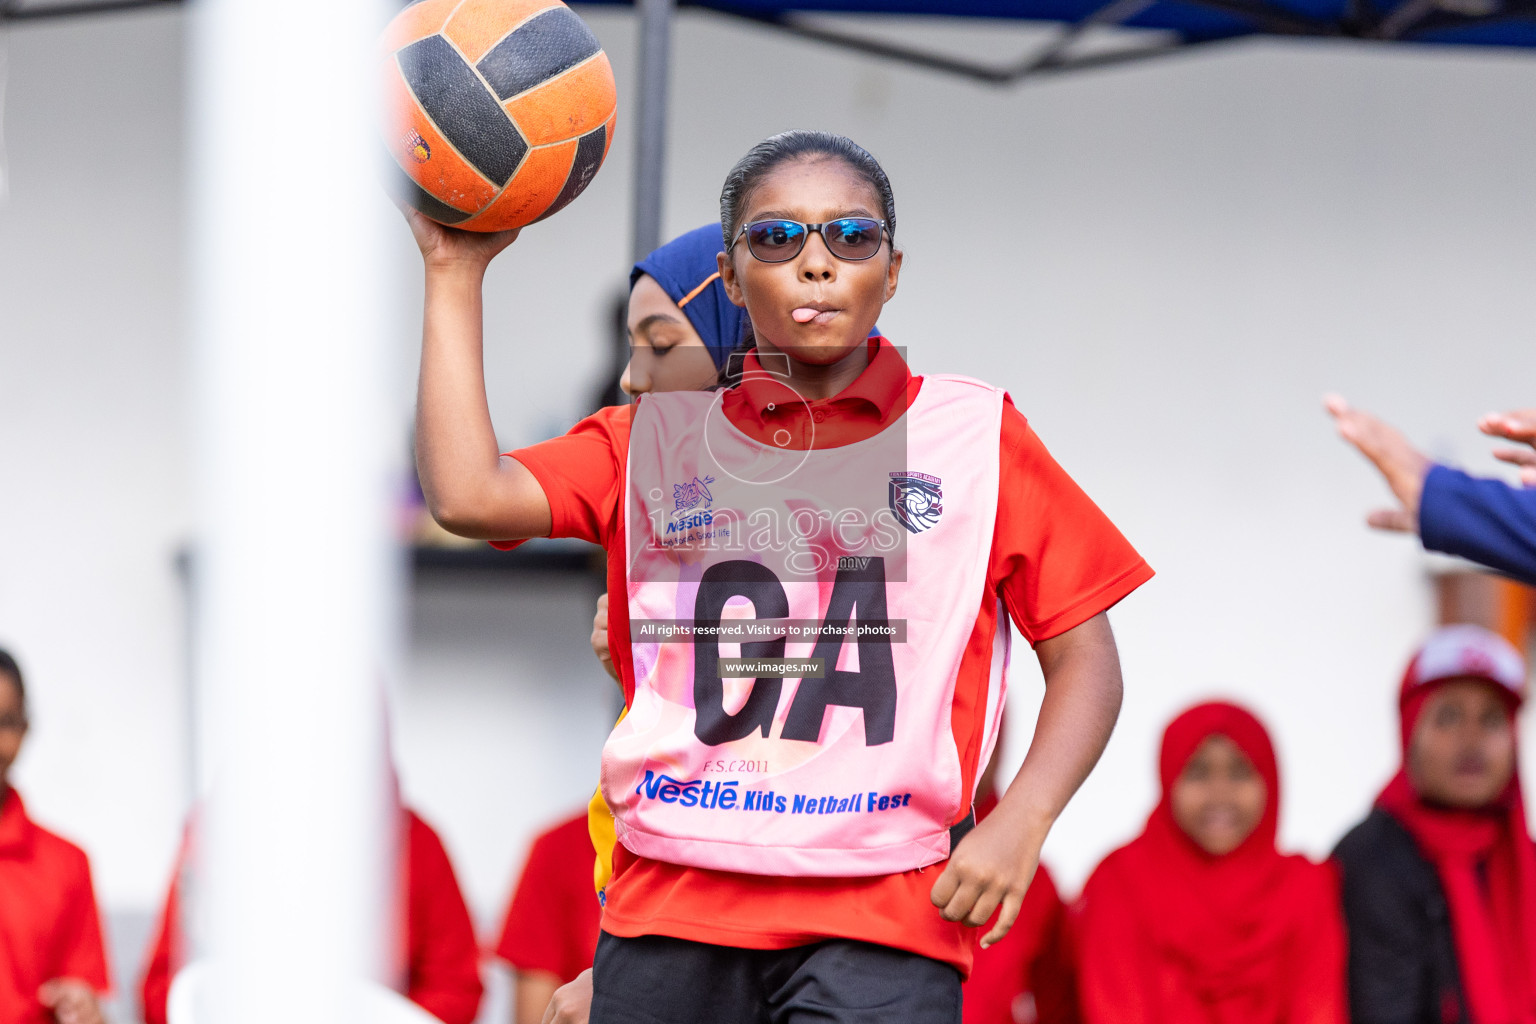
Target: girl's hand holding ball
{"points": [[444, 246]]}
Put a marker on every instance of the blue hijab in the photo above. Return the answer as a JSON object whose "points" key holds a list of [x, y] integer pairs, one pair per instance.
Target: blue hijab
{"points": [[686, 270]]}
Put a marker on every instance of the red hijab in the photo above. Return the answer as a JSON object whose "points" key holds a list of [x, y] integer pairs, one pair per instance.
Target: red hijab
{"points": [[1485, 858], [1173, 935]]}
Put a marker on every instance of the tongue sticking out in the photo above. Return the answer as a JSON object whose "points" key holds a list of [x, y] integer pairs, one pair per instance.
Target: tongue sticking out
{"points": [[805, 314]]}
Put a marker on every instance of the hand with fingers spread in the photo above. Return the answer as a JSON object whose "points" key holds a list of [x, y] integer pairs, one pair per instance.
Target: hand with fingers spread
{"points": [[1516, 425], [1519, 425], [1484, 520], [1522, 458], [1403, 465]]}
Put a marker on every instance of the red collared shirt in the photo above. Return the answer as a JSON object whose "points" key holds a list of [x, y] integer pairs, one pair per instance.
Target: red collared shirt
{"points": [[768, 409], [49, 927], [1056, 562]]}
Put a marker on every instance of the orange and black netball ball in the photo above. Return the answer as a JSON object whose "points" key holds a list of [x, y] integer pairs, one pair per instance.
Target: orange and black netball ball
{"points": [[497, 112]]}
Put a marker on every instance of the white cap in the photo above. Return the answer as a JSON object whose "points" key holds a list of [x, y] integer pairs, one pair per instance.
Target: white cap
{"points": [[1465, 650]]}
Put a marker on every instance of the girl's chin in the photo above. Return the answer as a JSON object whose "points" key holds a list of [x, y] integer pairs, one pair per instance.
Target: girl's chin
{"points": [[1221, 844], [820, 348]]}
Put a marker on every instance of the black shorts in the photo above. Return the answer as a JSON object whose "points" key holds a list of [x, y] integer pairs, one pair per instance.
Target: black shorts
{"points": [[659, 980]]}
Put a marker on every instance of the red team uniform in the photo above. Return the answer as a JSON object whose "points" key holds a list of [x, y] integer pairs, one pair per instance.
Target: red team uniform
{"points": [[553, 919], [49, 926], [1055, 561], [442, 958]]}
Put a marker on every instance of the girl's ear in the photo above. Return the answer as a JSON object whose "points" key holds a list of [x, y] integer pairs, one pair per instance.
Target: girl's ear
{"points": [[727, 267], [892, 272]]}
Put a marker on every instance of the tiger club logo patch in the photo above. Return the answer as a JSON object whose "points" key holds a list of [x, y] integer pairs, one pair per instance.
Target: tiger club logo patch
{"points": [[916, 499]]}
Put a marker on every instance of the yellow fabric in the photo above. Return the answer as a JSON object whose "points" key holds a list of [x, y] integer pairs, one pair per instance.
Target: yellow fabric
{"points": [[600, 828]]}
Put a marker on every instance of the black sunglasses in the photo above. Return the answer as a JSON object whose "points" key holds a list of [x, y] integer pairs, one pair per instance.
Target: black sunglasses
{"points": [[847, 238]]}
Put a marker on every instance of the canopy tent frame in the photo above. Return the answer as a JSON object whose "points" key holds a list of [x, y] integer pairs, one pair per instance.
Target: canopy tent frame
{"points": [[14, 10], [1049, 59], [1408, 21], [1362, 20]]}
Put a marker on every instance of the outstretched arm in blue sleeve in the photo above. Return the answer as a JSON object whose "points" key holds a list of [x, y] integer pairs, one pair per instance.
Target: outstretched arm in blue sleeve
{"points": [[1487, 521]]}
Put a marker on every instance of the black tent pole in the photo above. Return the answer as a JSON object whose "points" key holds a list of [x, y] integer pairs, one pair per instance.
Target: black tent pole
{"points": [[651, 122]]}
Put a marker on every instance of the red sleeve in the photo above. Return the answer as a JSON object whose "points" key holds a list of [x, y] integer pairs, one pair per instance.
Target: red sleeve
{"points": [[1057, 560], [582, 473], [553, 920], [83, 954], [445, 961]]}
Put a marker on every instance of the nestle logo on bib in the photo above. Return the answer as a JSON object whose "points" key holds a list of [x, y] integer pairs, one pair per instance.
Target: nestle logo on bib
{"points": [[730, 795], [916, 499], [691, 495], [693, 793]]}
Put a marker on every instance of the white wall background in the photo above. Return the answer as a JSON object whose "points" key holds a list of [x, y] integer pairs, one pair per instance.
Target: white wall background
{"points": [[1167, 265]]}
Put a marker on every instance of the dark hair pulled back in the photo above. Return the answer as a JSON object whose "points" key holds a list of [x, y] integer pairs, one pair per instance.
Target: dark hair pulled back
{"points": [[787, 147]]}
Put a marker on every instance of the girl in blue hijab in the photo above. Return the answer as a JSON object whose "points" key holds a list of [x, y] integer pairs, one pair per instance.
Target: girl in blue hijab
{"points": [[682, 327]]}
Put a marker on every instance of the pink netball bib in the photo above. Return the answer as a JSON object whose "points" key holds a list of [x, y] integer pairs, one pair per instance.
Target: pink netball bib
{"points": [[798, 620]]}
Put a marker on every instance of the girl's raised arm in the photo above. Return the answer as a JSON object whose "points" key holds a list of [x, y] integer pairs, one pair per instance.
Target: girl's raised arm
{"points": [[470, 488]]}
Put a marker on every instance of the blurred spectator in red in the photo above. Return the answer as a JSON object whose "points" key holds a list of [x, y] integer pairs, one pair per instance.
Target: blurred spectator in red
{"points": [[550, 933], [442, 959], [52, 964], [1200, 920]]}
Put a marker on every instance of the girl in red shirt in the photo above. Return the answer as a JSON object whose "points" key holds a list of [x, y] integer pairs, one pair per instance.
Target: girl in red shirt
{"points": [[808, 221], [52, 964], [1201, 920]]}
